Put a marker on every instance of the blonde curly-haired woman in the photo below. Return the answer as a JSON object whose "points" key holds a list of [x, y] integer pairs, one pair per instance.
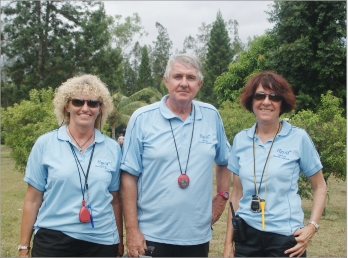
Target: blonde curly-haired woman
{"points": [[72, 201]]}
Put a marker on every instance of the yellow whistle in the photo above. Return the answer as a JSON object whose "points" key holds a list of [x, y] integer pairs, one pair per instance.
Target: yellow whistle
{"points": [[263, 203]]}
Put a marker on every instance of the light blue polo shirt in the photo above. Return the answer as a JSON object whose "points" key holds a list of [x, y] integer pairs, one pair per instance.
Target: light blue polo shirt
{"points": [[293, 152], [167, 213], [52, 169]]}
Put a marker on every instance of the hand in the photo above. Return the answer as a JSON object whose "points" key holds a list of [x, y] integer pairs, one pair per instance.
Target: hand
{"points": [[136, 243], [228, 251], [120, 250], [218, 208], [303, 237]]}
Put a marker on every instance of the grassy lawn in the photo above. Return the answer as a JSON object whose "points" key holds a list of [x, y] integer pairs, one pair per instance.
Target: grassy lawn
{"points": [[330, 241]]}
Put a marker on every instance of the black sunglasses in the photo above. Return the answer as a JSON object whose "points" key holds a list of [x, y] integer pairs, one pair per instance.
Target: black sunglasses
{"points": [[272, 96], [81, 102]]}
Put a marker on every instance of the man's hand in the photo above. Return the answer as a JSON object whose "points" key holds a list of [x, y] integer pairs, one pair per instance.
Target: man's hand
{"points": [[136, 243], [219, 204]]}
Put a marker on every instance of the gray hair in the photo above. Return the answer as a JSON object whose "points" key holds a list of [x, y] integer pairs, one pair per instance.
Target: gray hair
{"points": [[186, 60]]}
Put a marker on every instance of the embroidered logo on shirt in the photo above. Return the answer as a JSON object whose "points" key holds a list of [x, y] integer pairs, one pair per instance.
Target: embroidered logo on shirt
{"points": [[283, 154], [103, 164], [204, 138]]}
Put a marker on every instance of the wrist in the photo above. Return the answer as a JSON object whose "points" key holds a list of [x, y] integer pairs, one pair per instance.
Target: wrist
{"points": [[224, 194], [24, 248], [313, 224]]}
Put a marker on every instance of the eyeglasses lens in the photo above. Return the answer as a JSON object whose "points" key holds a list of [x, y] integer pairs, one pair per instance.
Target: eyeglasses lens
{"points": [[81, 102], [272, 96]]}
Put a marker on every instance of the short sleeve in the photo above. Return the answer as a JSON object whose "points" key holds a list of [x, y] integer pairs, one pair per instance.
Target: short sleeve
{"points": [[223, 147], [36, 173], [132, 147], [310, 161]]}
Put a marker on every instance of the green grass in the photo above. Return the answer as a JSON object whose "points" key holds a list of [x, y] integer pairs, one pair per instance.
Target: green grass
{"points": [[12, 195], [330, 241]]}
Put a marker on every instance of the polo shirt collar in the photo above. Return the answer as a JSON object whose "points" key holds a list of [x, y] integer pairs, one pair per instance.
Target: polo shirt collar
{"points": [[168, 114], [250, 131], [63, 135], [286, 128]]}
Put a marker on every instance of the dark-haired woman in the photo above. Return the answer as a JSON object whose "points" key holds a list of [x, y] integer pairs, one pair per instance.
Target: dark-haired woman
{"points": [[266, 161]]}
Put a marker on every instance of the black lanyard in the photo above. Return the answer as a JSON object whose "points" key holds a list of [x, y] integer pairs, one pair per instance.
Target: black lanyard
{"points": [[254, 154], [78, 164], [176, 148]]}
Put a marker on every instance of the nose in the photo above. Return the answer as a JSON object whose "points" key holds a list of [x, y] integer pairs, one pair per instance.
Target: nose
{"points": [[266, 101], [183, 82], [85, 106]]}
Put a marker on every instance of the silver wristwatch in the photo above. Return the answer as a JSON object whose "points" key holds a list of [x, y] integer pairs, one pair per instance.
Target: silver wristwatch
{"points": [[23, 247], [314, 224]]}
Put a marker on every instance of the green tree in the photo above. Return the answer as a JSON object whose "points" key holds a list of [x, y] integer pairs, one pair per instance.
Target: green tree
{"points": [[218, 58], [95, 54], [327, 128], [237, 44], [124, 34], [229, 85], [198, 45], [160, 54], [235, 118], [125, 106], [23, 123], [47, 42], [145, 75], [130, 77], [108, 65], [311, 48]]}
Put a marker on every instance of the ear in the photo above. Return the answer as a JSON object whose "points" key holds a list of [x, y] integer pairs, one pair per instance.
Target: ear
{"points": [[165, 81], [66, 107], [200, 84]]}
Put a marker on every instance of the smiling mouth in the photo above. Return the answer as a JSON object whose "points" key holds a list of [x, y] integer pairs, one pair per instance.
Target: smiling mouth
{"points": [[266, 110]]}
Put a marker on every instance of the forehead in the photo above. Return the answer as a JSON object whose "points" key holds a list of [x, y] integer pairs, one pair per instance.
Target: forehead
{"points": [[83, 95], [179, 68], [259, 88]]}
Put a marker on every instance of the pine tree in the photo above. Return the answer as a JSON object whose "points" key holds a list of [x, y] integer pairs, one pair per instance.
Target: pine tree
{"points": [[218, 58], [161, 54], [47, 42], [145, 75]]}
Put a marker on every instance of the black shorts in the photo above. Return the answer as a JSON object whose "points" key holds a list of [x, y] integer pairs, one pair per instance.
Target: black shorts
{"points": [[264, 244], [53, 243], [168, 250]]}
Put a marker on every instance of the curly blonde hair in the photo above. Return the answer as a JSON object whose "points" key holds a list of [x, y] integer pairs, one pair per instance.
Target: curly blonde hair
{"points": [[83, 84]]}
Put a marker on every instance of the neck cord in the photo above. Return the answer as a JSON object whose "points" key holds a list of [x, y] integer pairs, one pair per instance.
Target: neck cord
{"points": [[78, 164], [266, 163], [176, 148], [80, 147]]}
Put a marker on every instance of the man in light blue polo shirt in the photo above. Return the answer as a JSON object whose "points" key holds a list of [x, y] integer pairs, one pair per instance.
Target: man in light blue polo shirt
{"points": [[169, 151]]}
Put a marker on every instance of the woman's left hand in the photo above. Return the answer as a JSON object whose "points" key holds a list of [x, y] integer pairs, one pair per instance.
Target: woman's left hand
{"points": [[120, 250], [303, 237]]}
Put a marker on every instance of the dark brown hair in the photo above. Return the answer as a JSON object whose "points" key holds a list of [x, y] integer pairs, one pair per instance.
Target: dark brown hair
{"points": [[272, 81]]}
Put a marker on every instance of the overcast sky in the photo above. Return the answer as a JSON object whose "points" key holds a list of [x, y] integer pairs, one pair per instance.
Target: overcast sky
{"points": [[183, 18]]}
